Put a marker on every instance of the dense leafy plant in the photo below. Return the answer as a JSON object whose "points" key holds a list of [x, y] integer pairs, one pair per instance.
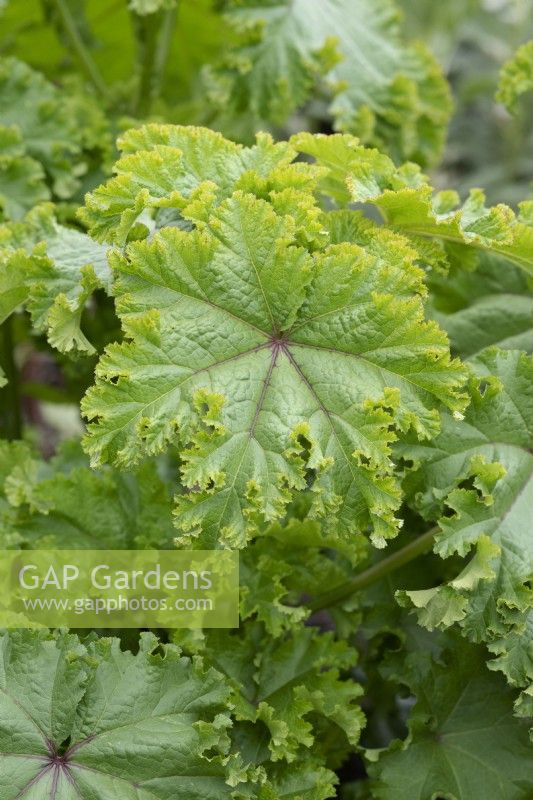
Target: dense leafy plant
{"points": [[293, 346]]}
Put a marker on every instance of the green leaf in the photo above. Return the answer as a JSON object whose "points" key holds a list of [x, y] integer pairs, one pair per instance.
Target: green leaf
{"points": [[491, 305], [390, 93], [516, 77], [303, 781], [168, 167], [265, 358], [463, 740], [53, 270], [482, 469], [64, 504], [409, 205], [287, 562], [122, 725], [21, 178], [29, 105], [13, 456], [55, 128], [292, 694]]}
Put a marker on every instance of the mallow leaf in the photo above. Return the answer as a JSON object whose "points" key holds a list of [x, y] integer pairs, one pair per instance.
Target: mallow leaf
{"points": [[293, 694], [285, 563], [272, 361], [303, 781], [55, 127], [516, 77], [100, 722], [13, 456], [489, 305], [463, 740], [31, 105], [389, 92], [53, 270], [163, 168], [435, 222], [481, 469], [62, 503], [22, 179]]}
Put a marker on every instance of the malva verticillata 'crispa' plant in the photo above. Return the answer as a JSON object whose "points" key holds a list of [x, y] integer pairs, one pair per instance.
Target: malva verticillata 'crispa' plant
{"points": [[279, 379], [276, 340]]}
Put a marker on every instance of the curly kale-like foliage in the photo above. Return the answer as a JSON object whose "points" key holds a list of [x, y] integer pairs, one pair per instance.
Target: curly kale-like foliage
{"points": [[274, 341], [53, 133], [516, 77], [296, 709], [63, 504], [390, 93], [284, 323], [22, 179], [436, 224], [481, 469], [52, 270]]}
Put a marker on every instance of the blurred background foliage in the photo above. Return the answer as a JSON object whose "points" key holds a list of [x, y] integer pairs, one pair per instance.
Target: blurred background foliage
{"points": [[472, 39]]}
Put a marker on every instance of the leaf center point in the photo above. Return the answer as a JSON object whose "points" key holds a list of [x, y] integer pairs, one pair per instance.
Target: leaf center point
{"points": [[278, 341]]}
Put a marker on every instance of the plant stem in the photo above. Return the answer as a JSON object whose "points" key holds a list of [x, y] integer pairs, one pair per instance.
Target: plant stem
{"points": [[10, 416], [166, 33], [154, 36], [377, 571], [78, 45], [146, 29]]}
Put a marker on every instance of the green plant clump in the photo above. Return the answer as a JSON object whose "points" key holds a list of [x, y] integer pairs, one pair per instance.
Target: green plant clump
{"points": [[236, 313]]}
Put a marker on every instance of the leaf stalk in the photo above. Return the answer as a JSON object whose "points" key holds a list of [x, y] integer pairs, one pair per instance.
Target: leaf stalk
{"points": [[376, 572]]}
